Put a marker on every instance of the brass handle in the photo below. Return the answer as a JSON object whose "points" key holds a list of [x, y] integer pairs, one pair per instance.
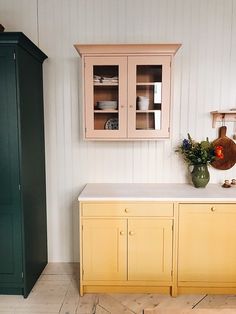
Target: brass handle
{"points": [[131, 233], [126, 210], [213, 208], [122, 233]]}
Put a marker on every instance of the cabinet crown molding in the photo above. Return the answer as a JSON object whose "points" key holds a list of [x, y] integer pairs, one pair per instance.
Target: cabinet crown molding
{"points": [[162, 49], [19, 39]]}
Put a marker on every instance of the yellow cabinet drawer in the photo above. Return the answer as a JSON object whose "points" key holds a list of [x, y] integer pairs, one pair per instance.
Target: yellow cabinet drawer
{"points": [[128, 209], [208, 208]]}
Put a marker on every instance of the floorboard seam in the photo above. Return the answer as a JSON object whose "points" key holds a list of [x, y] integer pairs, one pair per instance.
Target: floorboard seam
{"points": [[199, 301], [125, 306], [96, 303]]}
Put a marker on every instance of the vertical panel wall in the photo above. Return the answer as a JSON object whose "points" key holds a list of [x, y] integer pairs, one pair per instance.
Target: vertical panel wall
{"points": [[204, 79]]}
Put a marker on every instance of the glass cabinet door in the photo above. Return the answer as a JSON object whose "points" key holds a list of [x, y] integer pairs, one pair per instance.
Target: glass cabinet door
{"points": [[149, 96], [106, 97]]}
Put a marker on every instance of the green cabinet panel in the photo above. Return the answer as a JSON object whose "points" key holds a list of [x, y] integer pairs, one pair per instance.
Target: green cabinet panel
{"points": [[8, 128], [10, 217], [23, 228], [6, 244]]}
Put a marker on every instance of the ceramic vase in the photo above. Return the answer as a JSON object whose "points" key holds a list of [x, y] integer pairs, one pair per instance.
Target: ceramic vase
{"points": [[200, 176]]}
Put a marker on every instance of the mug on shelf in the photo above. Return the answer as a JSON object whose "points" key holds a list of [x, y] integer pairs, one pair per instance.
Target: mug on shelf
{"points": [[143, 103]]}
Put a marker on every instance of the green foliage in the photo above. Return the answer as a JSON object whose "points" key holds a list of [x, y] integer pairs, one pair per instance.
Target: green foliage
{"points": [[197, 153]]}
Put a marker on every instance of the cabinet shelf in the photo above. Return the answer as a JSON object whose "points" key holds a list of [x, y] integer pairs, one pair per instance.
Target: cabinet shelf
{"points": [[223, 116], [105, 84], [147, 84], [146, 111], [105, 111]]}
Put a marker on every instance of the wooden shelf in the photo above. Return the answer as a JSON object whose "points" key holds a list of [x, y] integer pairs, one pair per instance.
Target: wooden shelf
{"points": [[147, 84], [105, 84], [146, 111], [105, 111], [223, 116]]}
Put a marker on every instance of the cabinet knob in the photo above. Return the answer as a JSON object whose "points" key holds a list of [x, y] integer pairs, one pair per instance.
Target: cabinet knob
{"points": [[213, 208], [126, 210], [122, 233], [131, 233], [131, 106]]}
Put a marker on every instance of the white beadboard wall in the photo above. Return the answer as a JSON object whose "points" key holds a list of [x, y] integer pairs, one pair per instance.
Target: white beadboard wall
{"points": [[204, 79]]}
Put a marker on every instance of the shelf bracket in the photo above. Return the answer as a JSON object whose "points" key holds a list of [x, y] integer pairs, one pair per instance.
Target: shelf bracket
{"points": [[223, 116]]}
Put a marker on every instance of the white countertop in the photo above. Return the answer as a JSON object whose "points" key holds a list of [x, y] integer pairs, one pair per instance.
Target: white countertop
{"points": [[156, 192]]}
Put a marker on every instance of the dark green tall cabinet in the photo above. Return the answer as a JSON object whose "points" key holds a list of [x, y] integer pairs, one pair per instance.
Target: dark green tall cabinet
{"points": [[23, 230]]}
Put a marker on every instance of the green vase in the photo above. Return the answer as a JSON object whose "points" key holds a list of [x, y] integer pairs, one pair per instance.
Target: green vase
{"points": [[200, 176]]}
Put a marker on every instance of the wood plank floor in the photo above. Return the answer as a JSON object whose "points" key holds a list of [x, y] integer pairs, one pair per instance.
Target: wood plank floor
{"points": [[57, 292]]}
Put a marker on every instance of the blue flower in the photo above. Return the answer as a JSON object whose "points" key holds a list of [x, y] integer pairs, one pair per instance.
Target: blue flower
{"points": [[186, 144]]}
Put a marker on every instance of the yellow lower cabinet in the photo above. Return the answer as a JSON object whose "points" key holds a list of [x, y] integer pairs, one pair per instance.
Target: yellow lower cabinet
{"points": [[149, 249], [104, 249], [133, 247], [126, 247], [207, 244]]}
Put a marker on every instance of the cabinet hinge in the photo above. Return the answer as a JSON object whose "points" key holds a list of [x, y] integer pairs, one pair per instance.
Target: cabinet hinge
{"points": [[22, 275], [171, 273], [14, 55], [82, 272], [85, 130], [19, 187]]}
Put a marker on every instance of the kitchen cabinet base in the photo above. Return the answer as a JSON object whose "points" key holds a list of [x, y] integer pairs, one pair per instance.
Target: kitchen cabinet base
{"points": [[202, 257], [10, 290], [206, 290], [125, 289]]}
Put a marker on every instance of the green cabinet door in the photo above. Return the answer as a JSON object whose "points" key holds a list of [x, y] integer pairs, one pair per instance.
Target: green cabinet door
{"points": [[10, 210]]}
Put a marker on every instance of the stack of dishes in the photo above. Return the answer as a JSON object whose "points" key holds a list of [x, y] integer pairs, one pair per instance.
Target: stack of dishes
{"points": [[107, 105]]}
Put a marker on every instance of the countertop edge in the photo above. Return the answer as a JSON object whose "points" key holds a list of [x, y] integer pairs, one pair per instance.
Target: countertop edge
{"points": [[149, 199], [146, 192]]}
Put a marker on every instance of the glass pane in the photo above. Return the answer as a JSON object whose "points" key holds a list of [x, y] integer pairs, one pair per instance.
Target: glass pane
{"points": [[148, 97], [106, 97], [149, 73]]}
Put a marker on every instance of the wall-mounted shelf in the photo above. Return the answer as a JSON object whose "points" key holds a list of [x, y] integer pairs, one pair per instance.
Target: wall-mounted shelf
{"points": [[223, 116]]}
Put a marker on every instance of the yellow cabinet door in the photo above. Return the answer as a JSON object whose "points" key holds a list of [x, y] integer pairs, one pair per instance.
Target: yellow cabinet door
{"points": [[104, 249], [207, 239], [149, 249]]}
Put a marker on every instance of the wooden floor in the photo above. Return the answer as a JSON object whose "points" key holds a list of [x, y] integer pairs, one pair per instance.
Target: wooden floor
{"points": [[57, 292]]}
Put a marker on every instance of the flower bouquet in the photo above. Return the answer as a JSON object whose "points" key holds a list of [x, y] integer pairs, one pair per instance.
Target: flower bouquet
{"points": [[199, 155]]}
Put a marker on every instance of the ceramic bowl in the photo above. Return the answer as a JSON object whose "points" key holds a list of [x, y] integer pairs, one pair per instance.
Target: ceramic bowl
{"points": [[107, 105]]}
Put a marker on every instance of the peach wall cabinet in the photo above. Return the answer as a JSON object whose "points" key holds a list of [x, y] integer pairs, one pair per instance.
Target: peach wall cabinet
{"points": [[126, 90]]}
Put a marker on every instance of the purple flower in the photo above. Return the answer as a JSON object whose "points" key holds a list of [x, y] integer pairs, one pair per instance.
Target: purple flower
{"points": [[186, 144]]}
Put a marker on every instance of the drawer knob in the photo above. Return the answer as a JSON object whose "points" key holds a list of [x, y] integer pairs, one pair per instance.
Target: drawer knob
{"points": [[213, 208], [126, 210], [131, 233], [122, 233]]}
